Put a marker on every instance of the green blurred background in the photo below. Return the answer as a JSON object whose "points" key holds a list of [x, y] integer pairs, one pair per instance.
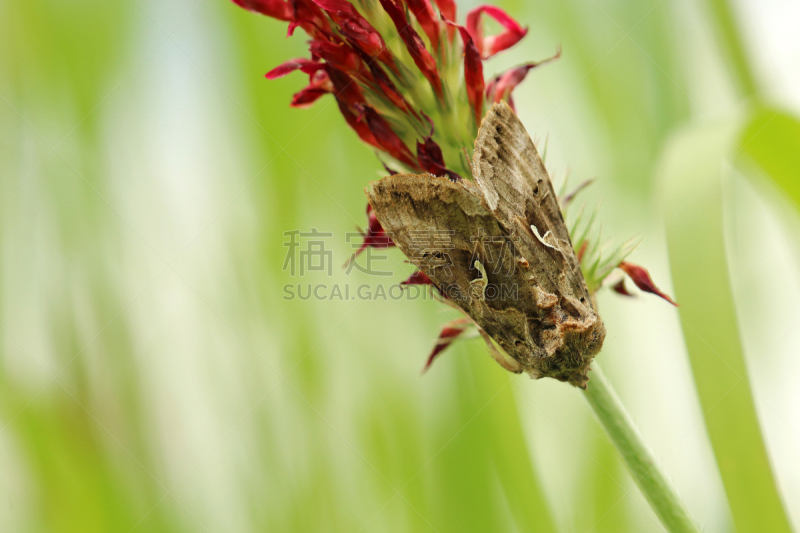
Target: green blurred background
{"points": [[153, 378]]}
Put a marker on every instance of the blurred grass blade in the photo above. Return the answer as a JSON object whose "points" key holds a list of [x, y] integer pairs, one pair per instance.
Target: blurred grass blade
{"points": [[508, 449], [772, 141], [691, 173], [730, 41]]}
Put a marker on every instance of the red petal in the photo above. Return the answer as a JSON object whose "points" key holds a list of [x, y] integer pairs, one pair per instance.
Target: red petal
{"points": [[620, 288], [418, 278], [426, 16], [448, 9], [416, 48], [429, 155], [489, 46], [391, 171], [307, 96], [367, 39], [449, 333], [360, 127], [473, 73], [305, 65], [320, 85], [423, 59], [311, 18], [356, 28], [375, 236], [387, 138], [641, 277], [349, 98], [345, 88], [340, 56], [339, 7], [388, 88], [500, 87], [277, 9]]}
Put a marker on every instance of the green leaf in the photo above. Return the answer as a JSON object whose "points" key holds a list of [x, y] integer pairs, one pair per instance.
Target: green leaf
{"points": [[692, 170], [771, 140]]}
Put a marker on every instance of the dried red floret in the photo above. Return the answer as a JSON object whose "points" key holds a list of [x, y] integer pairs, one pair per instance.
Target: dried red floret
{"points": [[375, 236], [418, 278], [491, 45], [386, 137], [338, 55], [473, 73], [450, 332], [278, 9], [426, 16], [620, 288], [357, 30], [429, 155], [302, 64], [501, 86], [448, 10], [641, 278], [416, 48], [320, 84]]}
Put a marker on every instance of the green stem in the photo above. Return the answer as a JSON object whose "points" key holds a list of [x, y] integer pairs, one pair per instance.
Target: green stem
{"points": [[619, 426]]}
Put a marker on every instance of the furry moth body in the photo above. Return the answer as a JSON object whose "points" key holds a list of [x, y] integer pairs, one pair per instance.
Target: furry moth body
{"points": [[503, 231]]}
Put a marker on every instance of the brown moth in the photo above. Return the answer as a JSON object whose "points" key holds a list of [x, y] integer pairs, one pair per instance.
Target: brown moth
{"points": [[498, 248]]}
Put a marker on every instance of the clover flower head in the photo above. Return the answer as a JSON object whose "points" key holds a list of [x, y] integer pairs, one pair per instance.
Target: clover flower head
{"points": [[405, 75], [409, 80]]}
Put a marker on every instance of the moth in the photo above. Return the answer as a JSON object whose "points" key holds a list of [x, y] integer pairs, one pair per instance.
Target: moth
{"points": [[498, 248]]}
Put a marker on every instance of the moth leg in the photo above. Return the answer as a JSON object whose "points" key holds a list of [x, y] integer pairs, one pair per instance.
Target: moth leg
{"points": [[512, 365]]}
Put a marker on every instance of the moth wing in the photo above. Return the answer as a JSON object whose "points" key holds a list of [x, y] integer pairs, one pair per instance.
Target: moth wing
{"points": [[513, 177], [443, 228], [519, 192], [433, 221]]}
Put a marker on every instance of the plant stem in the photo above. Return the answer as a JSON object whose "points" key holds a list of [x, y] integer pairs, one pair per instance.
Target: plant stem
{"points": [[619, 426]]}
